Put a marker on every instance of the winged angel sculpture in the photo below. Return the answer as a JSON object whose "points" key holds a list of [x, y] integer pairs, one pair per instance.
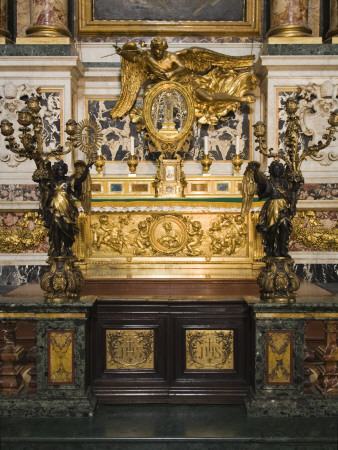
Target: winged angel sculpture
{"points": [[274, 222], [217, 83]]}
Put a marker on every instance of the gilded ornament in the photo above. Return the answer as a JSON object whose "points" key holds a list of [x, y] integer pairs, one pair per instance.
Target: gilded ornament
{"points": [[59, 211], [60, 361], [108, 234], [28, 234], [129, 349], [194, 82], [228, 234], [209, 349], [309, 231], [279, 358], [281, 189]]}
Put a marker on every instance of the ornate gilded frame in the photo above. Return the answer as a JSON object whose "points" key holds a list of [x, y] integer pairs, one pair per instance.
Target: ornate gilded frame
{"points": [[88, 26], [168, 141]]}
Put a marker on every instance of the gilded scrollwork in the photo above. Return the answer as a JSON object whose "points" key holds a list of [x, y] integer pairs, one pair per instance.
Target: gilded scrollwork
{"points": [[28, 234], [310, 231]]}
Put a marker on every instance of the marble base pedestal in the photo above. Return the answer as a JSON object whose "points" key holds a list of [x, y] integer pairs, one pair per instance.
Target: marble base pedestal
{"points": [[61, 341], [279, 382]]}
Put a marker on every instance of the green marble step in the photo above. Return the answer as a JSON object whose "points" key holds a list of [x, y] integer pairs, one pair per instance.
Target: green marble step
{"points": [[174, 427]]}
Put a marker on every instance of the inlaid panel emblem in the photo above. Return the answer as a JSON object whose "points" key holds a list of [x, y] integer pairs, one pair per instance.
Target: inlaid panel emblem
{"points": [[279, 357], [60, 357], [210, 349], [130, 349]]}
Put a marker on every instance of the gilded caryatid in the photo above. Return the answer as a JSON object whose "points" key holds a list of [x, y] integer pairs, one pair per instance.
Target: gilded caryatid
{"points": [[216, 83]]}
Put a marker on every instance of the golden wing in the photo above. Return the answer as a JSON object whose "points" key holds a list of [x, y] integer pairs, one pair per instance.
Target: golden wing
{"points": [[133, 75], [201, 60], [249, 189], [86, 195]]}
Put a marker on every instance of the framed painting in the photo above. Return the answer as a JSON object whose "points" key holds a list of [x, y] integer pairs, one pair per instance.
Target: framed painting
{"points": [[169, 17]]}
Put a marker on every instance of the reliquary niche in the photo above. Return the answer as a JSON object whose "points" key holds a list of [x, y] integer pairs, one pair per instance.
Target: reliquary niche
{"points": [[316, 104], [145, 235]]}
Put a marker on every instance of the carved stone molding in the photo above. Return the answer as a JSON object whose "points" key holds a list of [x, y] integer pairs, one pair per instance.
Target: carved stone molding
{"points": [[316, 104]]}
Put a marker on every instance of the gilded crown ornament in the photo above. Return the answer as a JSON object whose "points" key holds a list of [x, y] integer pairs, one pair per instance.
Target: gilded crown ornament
{"points": [[277, 280]]}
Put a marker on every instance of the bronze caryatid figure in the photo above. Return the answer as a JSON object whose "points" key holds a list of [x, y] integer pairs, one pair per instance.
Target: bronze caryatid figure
{"points": [[216, 83], [277, 280], [58, 191]]}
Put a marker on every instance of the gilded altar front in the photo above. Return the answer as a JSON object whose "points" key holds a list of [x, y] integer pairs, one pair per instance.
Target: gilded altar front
{"points": [[130, 233]]}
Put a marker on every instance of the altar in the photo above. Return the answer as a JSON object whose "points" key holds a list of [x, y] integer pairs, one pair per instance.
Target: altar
{"points": [[131, 233]]}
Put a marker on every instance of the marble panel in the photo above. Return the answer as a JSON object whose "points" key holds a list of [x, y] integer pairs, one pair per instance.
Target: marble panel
{"points": [[317, 273], [221, 138], [300, 49], [17, 275], [319, 191], [19, 192], [37, 50]]}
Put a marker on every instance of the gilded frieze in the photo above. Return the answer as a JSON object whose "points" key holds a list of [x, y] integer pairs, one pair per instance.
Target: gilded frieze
{"points": [[209, 349], [192, 235], [130, 349], [279, 357], [60, 357]]}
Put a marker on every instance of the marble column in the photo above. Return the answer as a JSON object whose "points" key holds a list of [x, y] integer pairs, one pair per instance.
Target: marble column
{"points": [[4, 19], [289, 18], [48, 18], [333, 31]]}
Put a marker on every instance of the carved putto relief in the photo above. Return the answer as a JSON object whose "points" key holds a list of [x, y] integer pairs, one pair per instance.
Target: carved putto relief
{"points": [[315, 106], [138, 235]]}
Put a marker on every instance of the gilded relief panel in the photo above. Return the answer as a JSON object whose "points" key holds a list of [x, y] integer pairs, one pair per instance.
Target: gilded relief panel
{"points": [[279, 357], [137, 234], [209, 349], [130, 349], [60, 357]]}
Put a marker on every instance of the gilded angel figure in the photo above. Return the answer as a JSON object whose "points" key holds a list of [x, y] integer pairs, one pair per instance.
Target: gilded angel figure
{"points": [[59, 210], [217, 83]]}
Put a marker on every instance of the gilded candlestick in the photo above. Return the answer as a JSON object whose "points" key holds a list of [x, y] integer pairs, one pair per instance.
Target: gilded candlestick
{"points": [[132, 164], [237, 161], [206, 162], [99, 163]]}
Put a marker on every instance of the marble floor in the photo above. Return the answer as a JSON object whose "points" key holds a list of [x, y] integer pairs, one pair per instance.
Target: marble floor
{"points": [[174, 427]]}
